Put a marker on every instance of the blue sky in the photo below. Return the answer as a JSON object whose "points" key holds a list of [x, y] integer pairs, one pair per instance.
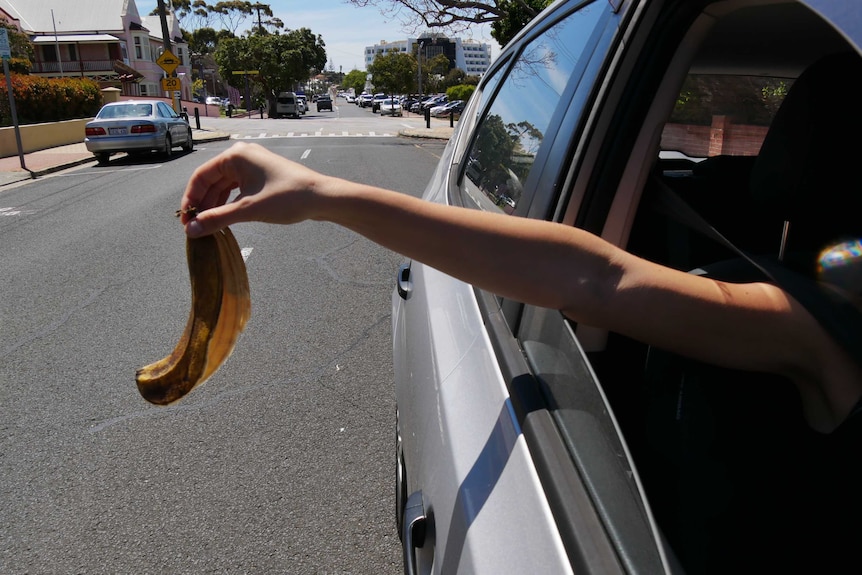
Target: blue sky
{"points": [[346, 29]]}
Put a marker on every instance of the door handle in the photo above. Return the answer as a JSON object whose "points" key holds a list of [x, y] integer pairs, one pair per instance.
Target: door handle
{"points": [[413, 530], [403, 282]]}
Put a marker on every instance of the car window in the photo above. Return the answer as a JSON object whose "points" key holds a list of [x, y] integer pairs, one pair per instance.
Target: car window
{"points": [[166, 111], [505, 144], [722, 114]]}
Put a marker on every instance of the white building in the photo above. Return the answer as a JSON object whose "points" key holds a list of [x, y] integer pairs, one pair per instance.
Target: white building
{"points": [[468, 55]]}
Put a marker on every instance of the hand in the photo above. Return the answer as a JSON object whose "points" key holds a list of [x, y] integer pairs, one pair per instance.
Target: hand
{"points": [[272, 189]]}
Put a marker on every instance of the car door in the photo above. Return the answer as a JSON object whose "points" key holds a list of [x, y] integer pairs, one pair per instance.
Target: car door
{"points": [[481, 440], [176, 126]]}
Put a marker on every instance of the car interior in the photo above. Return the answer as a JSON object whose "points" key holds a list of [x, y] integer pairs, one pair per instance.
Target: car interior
{"points": [[728, 466]]}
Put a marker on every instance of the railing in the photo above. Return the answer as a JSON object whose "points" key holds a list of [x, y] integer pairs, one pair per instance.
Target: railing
{"points": [[72, 66]]}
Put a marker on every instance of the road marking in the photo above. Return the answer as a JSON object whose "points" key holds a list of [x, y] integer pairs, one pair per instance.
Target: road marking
{"points": [[305, 154], [15, 212], [245, 253], [262, 135]]}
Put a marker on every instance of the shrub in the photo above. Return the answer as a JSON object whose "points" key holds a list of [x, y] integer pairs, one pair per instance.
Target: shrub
{"points": [[460, 92], [39, 100]]}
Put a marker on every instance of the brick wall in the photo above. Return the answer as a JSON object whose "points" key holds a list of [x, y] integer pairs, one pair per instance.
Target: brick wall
{"points": [[722, 137]]}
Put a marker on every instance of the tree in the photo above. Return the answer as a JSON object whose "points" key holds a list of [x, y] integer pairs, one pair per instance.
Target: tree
{"points": [[394, 73], [281, 60], [21, 49], [460, 15], [517, 14], [354, 79]]}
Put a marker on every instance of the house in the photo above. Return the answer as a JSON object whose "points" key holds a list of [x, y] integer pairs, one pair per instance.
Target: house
{"points": [[105, 40]]}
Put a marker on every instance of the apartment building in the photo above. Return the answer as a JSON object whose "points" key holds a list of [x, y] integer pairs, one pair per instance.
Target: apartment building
{"points": [[468, 55]]}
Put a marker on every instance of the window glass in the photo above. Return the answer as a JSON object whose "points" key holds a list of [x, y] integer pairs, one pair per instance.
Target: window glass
{"points": [[722, 115], [505, 145]]}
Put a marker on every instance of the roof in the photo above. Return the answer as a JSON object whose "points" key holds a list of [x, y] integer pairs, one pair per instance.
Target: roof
{"points": [[44, 15], [75, 38]]}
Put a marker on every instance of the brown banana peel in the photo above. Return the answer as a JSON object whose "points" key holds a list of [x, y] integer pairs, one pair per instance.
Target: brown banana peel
{"points": [[221, 306]]}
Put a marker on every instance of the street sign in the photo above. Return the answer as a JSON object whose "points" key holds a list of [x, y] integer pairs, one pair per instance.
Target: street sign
{"points": [[168, 62], [172, 84], [240, 73], [5, 50]]}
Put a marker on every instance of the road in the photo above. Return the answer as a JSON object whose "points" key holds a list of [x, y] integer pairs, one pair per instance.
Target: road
{"points": [[282, 463]]}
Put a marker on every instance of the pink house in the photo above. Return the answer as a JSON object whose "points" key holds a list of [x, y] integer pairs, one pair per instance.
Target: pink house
{"points": [[105, 40]]}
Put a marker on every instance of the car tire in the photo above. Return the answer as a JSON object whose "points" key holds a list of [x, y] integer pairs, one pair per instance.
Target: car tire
{"points": [[400, 478], [102, 158], [168, 150], [190, 143]]}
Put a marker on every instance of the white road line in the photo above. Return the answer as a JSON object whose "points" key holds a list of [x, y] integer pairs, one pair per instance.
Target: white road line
{"points": [[305, 154], [245, 253]]}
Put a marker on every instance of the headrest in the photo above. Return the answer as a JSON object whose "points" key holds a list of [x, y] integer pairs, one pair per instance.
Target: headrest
{"points": [[809, 170]]}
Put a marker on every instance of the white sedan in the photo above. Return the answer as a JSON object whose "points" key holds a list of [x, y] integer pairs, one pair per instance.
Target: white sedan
{"points": [[391, 107]]}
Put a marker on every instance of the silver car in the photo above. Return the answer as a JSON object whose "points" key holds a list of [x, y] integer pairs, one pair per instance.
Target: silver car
{"points": [[527, 443], [135, 126]]}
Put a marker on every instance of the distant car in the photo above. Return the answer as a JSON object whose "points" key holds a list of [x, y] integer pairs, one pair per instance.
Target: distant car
{"points": [[214, 100], [390, 107], [301, 104], [351, 99], [375, 101], [365, 100], [324, 103], [137, 126]]}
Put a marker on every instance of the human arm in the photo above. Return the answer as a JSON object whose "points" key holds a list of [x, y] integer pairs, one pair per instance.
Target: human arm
{"points": [[747, 326]]}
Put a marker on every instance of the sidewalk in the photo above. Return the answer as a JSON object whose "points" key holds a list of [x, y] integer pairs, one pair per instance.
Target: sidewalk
{"points": [[51, 160]]}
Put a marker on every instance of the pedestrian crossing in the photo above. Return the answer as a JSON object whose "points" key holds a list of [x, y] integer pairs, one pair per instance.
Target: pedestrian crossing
{"points": [[314, 134]]}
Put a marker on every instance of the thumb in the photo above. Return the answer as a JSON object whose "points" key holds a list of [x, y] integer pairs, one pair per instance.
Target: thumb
{"points": [[212, 220]]}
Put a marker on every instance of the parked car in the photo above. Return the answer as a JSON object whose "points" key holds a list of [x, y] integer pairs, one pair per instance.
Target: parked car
{"points": [[433, 101], [528, 443], [375, 102], [456, 106], [364, 100], [351, 99], [324, 103], [390, 107], [135, 126], [301, 104], [214, 100]]}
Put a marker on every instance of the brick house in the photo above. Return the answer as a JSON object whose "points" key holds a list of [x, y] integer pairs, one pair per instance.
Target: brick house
{"points": [[105, 40]]}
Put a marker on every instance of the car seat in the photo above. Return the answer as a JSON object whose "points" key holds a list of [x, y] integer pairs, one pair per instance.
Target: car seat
{"points": [[737, 480]]}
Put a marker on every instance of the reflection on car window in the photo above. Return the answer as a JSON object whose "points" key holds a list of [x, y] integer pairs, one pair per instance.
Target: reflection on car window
{"points": [[722, 115], [507, 141]]}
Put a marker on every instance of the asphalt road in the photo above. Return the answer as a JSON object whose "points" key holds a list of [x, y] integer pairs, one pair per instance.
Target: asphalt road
{"points": [[282, 463]]}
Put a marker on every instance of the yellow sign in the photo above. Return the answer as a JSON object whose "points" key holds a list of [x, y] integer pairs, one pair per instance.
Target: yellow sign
{"points": [[239, 73], [168, 61], [171, 84]]}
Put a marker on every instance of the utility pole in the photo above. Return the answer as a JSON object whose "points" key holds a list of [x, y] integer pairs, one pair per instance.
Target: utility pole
{"points": [[166, 40]]}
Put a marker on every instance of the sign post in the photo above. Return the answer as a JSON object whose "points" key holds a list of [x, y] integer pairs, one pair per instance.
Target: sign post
{"points": [[5, 55]]}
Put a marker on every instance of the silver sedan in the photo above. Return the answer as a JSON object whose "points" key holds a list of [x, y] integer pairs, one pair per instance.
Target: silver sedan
{"points": [[137, 126]]}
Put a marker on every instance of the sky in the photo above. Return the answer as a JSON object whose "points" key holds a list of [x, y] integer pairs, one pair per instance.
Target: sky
{"points": [[346, 29]]}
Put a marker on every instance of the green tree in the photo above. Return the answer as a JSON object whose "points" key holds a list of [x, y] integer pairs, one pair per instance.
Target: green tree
{"points": [[394, 73], [20, 47], [354, 79], [282, 60], [516, 14]]}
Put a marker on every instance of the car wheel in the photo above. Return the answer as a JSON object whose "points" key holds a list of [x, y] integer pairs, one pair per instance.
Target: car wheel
{"points": [[102, 158], [169, 146], [190, 142]]}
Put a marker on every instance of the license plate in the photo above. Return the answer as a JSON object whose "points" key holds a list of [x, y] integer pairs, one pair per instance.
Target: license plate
{"points": [[117, 131]]}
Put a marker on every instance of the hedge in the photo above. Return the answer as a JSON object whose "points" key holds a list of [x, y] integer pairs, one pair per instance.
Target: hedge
{"points": [[39, 100]]}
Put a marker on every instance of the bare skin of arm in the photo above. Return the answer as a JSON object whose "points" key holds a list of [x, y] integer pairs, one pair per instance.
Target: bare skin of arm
{"points": [[752, 326]]}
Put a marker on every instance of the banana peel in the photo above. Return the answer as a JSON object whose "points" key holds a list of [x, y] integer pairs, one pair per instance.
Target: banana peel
{"points": [[221, 306]]}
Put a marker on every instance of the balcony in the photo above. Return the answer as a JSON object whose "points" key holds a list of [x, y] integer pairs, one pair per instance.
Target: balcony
{"points": [[76, 66]]}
